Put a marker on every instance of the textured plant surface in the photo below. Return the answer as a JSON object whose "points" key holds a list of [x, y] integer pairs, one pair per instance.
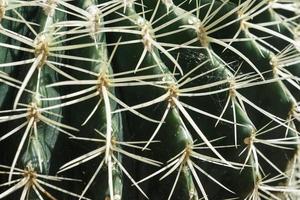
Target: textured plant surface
{"points": [[149, 99]]}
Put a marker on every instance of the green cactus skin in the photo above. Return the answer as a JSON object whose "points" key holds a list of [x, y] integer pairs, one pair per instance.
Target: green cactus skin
{"points": [[149, 99]]}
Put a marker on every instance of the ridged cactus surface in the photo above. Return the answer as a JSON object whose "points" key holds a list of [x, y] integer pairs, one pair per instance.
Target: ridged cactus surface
{"points": [[150, 99]]}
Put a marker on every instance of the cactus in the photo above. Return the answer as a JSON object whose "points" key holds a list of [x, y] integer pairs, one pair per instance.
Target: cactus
{"points": [[149, 99]]}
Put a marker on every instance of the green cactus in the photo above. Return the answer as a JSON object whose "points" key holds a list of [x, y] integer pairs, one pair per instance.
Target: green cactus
{"points": [[149, 99]]}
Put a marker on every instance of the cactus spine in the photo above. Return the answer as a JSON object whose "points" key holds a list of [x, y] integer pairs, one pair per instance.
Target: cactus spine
{"points": [[149, 99]]}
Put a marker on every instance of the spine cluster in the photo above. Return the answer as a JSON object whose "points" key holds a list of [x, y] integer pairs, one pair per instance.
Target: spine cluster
{"points": [[149, 99]]}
